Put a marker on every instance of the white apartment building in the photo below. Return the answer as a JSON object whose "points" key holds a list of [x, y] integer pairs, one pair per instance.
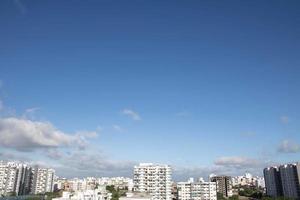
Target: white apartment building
{"points": [[200, 190], [14, 178], [154, 180], [21, 179], [43, 180], [97, 194], [90, 183], [136, 196], [248, 180]]}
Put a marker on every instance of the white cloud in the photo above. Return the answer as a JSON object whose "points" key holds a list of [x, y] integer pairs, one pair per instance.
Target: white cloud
{"points": [[134, 115], [93, 164], [237, 162], [1, 105], [288, 146], [27, 135], [117, 128], [284, 119], [54, 154], [32, 110], [87, 134]]}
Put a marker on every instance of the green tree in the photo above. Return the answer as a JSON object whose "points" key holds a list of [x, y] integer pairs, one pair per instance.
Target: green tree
{"points": [[220, 196]]}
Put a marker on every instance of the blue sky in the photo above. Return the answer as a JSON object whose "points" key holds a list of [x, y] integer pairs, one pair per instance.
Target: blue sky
{"points": [[205, 86]]}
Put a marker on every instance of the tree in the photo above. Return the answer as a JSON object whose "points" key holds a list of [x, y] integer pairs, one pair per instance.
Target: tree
{"points": [[220, 196]]}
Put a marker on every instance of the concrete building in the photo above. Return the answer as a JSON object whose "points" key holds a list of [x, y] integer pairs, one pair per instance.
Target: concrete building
{"points": [[154, 180], [248, 180], [43, 180], [200, 190], [290, 176], [273, 181], [136, 196], [97, 194], [15, 178], [283, 180], [224, 184]]}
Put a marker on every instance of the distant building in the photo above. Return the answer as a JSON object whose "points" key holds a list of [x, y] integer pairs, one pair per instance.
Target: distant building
{"points": [[248, 180], [136, 196], [97, 194], [224, 184], [200, 190], [153, 179]]}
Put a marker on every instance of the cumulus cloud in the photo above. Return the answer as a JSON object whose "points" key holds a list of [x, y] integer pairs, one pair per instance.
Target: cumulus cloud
{"points": [[27, 135], [287, 146], [134, 115], [92, 164], [183, 173], [237, 162], [54, 154], [284, 119]]}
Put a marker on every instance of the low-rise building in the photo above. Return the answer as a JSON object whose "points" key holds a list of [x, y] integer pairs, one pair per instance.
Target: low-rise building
{"points": [[200, 190], [136, 196], [97, 194]]}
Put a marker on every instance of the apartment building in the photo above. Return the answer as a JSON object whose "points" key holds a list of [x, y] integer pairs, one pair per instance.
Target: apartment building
{"points": [[43, 180], [248, 180], [200, 190], [283, 180], [154, 180], [273, 181], [14, 178], [290, 176], [224, 184], [21, 179], [96, 194]]}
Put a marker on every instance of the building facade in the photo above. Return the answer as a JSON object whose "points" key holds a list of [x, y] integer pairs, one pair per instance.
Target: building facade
{"points": [[273, 181], [43, 180], [154, 180], [283, 180], [224, 184], [290, 176], [248, 180], [200, 190], [21, 179]]}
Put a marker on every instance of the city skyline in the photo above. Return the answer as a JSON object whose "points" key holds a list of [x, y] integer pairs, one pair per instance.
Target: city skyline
{"points": [[94, 88]]}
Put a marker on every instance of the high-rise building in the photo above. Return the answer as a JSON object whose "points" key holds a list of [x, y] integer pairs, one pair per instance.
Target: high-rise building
{"points": [[21, 179], [200, 190], [15, 178], [273, 181], [283, 180], [154, 180], [224, 185], [290, 176], [25, 177], [43, 180]]}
